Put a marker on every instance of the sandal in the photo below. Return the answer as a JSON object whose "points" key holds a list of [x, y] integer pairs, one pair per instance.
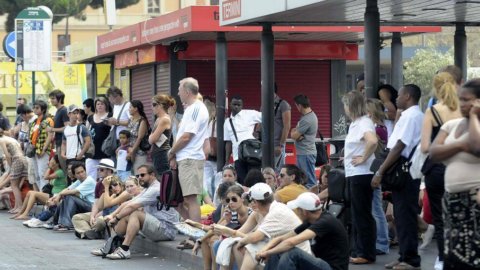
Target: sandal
{"points": [[186, 244]]}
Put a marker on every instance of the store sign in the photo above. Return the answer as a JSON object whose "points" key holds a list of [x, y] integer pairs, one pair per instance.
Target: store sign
{"points": [[243, 11], [118, 40], [166, 26], [34, 39], [80, 51]]}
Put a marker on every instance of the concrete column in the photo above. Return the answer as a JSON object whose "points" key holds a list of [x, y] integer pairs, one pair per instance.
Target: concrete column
{"points": [[93, 79], [460, 47], [221, 75], [112, 71], [268, 81], [372, 48], [397, 60]]}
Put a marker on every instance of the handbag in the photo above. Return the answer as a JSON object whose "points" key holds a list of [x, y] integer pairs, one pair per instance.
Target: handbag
{"points": [[213, 142], [144, 144], [249, 151], [91, 149], [396, 177], [47, 189], [428, 164], [322, 157], [110, 145]]}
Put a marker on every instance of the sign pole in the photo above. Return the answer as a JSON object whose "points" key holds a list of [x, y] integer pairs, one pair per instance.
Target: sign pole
{"points": [[33, 87], [17, 78]]}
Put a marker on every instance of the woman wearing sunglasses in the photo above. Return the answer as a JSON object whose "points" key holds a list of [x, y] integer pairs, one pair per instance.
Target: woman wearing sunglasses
{"points": [[161, 132]]}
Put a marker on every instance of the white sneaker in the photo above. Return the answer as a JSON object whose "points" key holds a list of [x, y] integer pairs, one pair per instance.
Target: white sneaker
{"points": [[427, 236], [36, 223], [438, 264], [97, 252], [119, 254], [27, 222]]}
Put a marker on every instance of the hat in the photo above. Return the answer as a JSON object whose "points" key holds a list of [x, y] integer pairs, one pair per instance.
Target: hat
{"points": [[260, 191], [360, 77], [72, 108], [107, 164], [307, 201]]}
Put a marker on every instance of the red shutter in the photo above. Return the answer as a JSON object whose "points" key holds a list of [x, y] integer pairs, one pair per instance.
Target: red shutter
{"points": [[142, 88], [311, 78], [163, 79]]}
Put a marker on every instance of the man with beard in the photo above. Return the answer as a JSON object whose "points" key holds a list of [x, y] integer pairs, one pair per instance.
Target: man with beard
{"points": [[154, 224]]}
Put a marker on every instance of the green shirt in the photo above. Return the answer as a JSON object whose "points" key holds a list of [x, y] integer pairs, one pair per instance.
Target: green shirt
{"points": [[60, 182]]}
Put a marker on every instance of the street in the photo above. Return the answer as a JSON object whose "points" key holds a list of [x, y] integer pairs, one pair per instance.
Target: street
{"points": [[25, 248]]}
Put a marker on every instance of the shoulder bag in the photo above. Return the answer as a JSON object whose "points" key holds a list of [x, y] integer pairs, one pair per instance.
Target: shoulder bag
{"points": [[396, 177], [322, 157], [144, 144], [428, 165], [212, 140], [249, 151]]}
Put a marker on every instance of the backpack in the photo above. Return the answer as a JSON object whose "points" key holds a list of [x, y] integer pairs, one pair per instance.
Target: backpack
{"points": [[112, 243], [170, 191], [91, 149]]}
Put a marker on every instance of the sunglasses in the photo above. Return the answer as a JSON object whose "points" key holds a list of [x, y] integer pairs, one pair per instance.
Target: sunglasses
{"points": [[233, 199], [114, 184], [154, 104], [141, 175]]}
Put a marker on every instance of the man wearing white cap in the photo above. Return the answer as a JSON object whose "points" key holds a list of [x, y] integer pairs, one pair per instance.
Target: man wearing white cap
{"points": [[75, 139], [271, 219], [329, 238]]}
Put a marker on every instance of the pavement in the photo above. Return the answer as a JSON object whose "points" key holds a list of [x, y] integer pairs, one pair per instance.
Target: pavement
{"points": [[25, 248]]}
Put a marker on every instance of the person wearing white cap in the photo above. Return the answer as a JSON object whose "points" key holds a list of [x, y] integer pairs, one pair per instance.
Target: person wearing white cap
{"points": [[269, 219], [75, 139], [330, 240]]}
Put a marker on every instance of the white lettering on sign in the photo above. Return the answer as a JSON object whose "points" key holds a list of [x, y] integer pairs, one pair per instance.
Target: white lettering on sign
{"points": [[114, 42], [162, 28], [231, 9]]}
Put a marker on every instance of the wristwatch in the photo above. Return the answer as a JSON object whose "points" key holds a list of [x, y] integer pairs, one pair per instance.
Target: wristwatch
{"points": [[377, 173]]}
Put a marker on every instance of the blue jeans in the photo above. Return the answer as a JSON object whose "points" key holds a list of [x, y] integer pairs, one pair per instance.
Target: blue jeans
{"points": [[382, 243], [307, 164], [296, 259]]}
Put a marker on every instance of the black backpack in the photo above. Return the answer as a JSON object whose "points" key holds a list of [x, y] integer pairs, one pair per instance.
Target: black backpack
{"points": [[170, 191], [112, 243]]}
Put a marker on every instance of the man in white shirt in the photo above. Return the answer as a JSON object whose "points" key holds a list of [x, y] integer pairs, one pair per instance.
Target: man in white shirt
{"points": [[405, 136], [243, 122], [75, 139], [120, 109], [187, 150]]}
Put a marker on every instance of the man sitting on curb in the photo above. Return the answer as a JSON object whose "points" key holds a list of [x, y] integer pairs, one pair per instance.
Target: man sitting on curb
{"points": [[330, 241], [155, 225], [77, 198]]}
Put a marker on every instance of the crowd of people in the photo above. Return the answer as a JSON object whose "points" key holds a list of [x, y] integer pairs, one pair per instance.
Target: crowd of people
{"points": [[96, 171]]}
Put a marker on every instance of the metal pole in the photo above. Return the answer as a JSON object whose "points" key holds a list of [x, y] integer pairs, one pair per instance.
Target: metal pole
{"points": [[460, 48], [93, 77], [221, 75], [17, 81], [372, 48], [397, 61], [33, 87], [268, 81]]}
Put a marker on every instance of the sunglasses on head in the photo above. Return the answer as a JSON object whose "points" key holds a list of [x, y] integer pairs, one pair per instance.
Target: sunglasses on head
{"points": [[233, 199], [141, 175]]}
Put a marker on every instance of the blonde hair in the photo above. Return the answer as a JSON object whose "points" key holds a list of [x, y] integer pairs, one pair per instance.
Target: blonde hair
{"points": [[165, 101], [355, 101], [445, 90], [376, 110], [211, 109]]}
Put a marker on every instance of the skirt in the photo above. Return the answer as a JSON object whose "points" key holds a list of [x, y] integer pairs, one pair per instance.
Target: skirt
{"points": [[19, 168], [462, 228]]}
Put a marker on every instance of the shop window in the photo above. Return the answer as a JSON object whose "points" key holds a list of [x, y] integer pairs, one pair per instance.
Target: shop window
{"points": [[153, 6]]}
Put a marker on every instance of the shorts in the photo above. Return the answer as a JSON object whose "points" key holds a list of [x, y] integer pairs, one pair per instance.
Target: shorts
{"points": [[190, 175], [155, 229], [253, 249]]}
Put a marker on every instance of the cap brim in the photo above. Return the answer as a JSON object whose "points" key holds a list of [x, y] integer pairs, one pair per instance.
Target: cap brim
{"points": [[292, 204]]}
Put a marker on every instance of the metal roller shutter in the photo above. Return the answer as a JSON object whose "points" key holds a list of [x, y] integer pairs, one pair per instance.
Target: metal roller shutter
{"points": [[143, 88], [163, 79], [311, 78]]}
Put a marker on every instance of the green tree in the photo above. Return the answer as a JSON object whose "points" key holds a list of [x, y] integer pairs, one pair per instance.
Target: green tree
{"points": [[73, 8], [421, 68]]}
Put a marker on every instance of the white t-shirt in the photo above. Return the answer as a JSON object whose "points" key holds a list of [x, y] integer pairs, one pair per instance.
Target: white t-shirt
{"points": [[195, 121], [355, 146], [244, 123], [73, 147], [274, 223], [124, 117], [408, 129]]}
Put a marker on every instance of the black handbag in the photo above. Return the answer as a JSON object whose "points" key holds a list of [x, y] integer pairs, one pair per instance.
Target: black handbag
{"points": [[144, 144], [322, 157], [110, 144], [397, 175], [249, 151]]}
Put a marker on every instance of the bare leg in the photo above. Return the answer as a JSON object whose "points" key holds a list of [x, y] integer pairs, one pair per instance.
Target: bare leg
{"points": [[35, 197], [135, 223], [193, 207], [248, 262], [24, 205], [182, 210], [206, 255], [238, 254], [16, 193]]}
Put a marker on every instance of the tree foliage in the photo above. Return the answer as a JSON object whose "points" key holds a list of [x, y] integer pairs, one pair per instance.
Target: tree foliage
{"points": [[421, 68], [73, 8]]}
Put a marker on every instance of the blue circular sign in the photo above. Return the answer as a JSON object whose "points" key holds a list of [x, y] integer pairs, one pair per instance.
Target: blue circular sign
{"points": [[10, 45]]}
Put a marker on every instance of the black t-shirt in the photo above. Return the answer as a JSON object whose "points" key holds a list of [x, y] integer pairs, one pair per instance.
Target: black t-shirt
{"points": [[58, 122], [331, 241]]}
